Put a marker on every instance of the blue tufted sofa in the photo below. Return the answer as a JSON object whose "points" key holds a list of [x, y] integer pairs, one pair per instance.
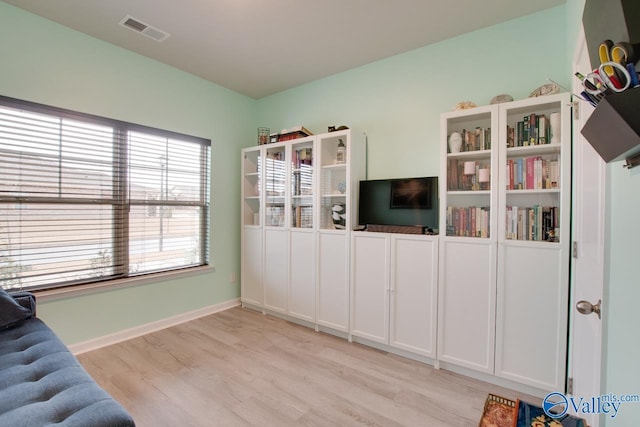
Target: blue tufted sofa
{"points": [[41, 382]]}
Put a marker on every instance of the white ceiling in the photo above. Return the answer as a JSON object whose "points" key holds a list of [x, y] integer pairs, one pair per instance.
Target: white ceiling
{"points": [[260, 47]]}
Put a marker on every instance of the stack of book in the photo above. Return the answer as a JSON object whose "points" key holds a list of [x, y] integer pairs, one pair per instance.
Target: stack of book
{"points": [[293, 133]]}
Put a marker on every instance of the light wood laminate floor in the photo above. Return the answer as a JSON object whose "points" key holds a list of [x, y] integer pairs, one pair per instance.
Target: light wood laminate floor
{"points": [[242, 368]]}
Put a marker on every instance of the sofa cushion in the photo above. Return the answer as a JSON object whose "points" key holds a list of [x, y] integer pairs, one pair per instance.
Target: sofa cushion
{"points": [[10, 311], [43, 384]]}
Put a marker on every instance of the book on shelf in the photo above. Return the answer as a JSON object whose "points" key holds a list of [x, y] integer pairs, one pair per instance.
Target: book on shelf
{"points": [[511, 136], [543, 129]]}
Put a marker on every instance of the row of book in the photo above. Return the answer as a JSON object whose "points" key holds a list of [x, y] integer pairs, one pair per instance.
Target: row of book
{"points": [[470, 221], [538, 223], [477, 139], [532, 173], [533, 129]]}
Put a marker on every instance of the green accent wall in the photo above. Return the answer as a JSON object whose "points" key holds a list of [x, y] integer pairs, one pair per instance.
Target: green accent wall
{"points": [[622, 292], [398, 101], [51, 64]]}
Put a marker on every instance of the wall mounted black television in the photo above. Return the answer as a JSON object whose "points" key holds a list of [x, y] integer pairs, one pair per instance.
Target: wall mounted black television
{"points": [[400, 201]]}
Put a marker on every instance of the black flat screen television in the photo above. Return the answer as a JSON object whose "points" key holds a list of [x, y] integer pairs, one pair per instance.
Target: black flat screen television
{"points": [[400, 201]]}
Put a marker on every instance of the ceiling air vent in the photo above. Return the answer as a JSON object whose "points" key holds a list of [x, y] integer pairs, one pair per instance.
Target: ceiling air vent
{"points": [[146, 30]]}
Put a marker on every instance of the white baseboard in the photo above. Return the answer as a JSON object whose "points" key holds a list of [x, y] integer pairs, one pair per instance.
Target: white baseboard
{"points": [[127, 334]]}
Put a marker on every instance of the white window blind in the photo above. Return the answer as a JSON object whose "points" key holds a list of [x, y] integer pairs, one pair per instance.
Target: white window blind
{"points": [[85, 199]]}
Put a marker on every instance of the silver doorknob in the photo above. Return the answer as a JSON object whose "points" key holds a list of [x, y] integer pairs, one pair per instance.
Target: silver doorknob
{"points": [[585, 307]]}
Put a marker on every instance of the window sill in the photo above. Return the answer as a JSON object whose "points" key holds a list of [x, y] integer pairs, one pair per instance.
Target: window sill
{"points": [[110, 285]]}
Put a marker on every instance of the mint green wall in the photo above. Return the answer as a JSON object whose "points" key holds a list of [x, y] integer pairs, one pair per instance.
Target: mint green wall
{"points": [[398, 101], [574, 25], [622, 291], [51, 64]]}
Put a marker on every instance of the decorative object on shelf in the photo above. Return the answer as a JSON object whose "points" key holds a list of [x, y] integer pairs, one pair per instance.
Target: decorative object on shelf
{"points": [[554, 124], [335, 128], [339, 216], [504, 97], [342, 187], [455, 142], [470, 171], [483, 178], [469, 168], [465, 105], [341, 152], [263, 135], [546, 89]]}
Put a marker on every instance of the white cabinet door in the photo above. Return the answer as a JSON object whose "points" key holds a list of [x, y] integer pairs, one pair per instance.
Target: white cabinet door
{"points": [[414, 281], [251, 270], [302, 298], [466, 293], [370, 292], [333, 280], [531, 319], [276, 270]]}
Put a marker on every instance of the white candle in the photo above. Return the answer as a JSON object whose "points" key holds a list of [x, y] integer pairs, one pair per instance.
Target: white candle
{"points": [[484, 175], [469, 168]]}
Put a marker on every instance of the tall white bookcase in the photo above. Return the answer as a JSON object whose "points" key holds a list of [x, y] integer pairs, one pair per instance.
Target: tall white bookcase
{"points": [[504, 246], [298, 207], [468, 240], [533, 266]]}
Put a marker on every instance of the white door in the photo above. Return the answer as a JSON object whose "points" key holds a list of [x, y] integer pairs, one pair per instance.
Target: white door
{"points": [[370, 286], [333, 281], [276, 276], [588, 261], [251, 278], [414, 282], [302, 284], [467, 303]]}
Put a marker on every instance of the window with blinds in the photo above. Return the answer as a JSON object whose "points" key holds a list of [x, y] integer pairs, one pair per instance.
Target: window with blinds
{"points": [[86, 199]]}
